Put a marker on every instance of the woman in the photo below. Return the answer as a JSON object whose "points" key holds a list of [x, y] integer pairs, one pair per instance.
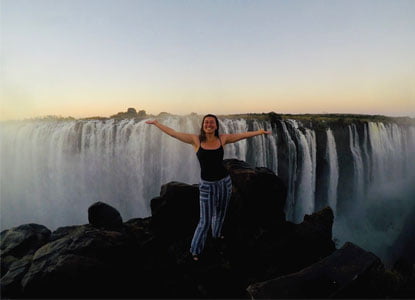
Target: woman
{"points": [[215, 187]]}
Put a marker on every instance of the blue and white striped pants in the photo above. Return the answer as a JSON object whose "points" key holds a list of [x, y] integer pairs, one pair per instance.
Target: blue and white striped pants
{"points": [[214, 199]]}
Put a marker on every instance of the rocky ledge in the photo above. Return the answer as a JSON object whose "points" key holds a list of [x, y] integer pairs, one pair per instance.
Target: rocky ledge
{"points": [[262, 255]]}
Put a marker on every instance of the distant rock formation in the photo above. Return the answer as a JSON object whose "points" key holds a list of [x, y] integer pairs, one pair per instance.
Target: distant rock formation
{"points": [[131, 113], [149, 258]]}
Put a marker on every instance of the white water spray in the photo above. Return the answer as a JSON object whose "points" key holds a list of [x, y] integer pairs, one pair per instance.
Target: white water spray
{"points": [[331, 157], [52, 171], [357, 163]]}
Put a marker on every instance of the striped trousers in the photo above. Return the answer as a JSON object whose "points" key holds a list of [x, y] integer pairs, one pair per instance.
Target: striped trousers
{"points": [[214, 200]]}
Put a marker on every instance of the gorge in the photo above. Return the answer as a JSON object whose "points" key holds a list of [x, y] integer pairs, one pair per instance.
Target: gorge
{"points": [[362, 167]]}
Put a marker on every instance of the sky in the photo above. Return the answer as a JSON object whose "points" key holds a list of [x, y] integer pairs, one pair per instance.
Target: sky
{"points": [[84, 58]]}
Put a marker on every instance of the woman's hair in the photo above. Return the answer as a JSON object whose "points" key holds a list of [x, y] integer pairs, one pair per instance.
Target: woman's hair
{"points": [[202, 136]]}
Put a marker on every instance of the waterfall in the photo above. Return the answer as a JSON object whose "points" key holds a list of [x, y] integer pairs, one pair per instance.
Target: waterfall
{"points": [[331, 157], [304, 203], [312, 145], [357, 163], [366, 159], [291, 173], [386, 143], [52, 171], [236, 150], [376, 222]]}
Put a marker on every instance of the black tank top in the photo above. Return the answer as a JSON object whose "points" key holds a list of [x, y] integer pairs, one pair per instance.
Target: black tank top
{"points": [[211, 163]]}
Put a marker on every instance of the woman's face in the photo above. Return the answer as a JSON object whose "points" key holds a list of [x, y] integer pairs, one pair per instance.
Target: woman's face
{"points": [[209, 125]]}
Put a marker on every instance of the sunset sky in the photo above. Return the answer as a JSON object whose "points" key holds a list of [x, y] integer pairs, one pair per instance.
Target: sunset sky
{"points": [[85, 58]]}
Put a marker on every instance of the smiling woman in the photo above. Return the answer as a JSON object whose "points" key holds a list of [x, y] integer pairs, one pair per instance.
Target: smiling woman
{"points": [[215, 187]]}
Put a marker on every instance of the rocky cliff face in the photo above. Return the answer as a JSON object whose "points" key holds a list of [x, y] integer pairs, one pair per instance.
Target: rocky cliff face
{"points": [[149, 258]]}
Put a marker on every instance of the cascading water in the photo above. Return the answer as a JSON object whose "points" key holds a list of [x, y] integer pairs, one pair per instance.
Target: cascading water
{"points": [[291, 172], [312, 145], [357, 162], [304, 201], [333, 177], [52, 171], [377, 218]]}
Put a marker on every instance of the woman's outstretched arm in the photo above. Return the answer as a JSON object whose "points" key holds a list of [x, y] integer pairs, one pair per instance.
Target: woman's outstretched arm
{"points": [[184, 137], [232, 138]]}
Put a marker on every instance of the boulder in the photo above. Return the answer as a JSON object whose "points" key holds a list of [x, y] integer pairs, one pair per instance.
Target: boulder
{"points": [[76, 264], [21, 241], [283, 249], [149, 258], [10, 282], [175, 213], [257, 201], [102, 215], [259, 244], [6, 262], [64, 231], [348, 272], [316, 233], [24, 239]]}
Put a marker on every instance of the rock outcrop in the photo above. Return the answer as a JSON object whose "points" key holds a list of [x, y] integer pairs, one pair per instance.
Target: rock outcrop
{"points": [[17, 248], [149, 258], [337, 275], [102, 215], [21, 241]]}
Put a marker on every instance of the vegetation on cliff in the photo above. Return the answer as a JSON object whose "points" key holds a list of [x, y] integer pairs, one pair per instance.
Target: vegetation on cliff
{"points": [[318, 120]]}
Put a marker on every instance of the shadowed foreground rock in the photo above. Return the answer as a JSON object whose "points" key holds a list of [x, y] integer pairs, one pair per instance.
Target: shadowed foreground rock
{"points": [[149, 258], [346, 271]]}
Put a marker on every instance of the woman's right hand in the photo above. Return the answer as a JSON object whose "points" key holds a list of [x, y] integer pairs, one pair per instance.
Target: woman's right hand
{"points": [[152, 122]]}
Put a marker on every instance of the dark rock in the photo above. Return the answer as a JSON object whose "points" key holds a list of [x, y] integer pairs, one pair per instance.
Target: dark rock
{"points": [[102, 215], [10, 283], [64, 231], [138, 229], [141, 113], [255, 229], [258, 198], [6, 262], [274, 117], [284, 249], [149, 258], [175, 213], [24, 239], [130, 113], [403, 250], [257, 203], [68, 276], [408, 288], [21, 241], [316, 232], [64, 266], [345, 273], [322, 170], [131, 110]]}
